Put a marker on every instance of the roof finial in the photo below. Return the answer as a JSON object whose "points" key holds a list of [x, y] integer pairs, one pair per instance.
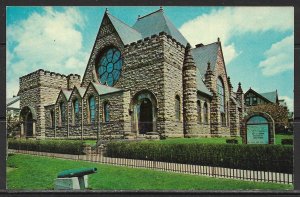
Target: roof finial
{"points": [[106, 10], [139, 16], [208, 65], [161, 7], [218, 39]]}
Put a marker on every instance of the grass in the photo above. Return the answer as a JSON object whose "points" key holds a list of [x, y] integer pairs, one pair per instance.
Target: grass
{"points": [[279, 137], [33, 172]]}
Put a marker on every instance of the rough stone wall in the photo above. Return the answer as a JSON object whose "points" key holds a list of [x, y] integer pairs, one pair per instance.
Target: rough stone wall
{"points": [[119, 118], [73, 79], [189, 93], [143, 69], [220, 71], [39, 89], [172, 70], [61, 129], [75, 126], [107, 36], [49, 130], [234, 119], [89, 129], [202, 128]]}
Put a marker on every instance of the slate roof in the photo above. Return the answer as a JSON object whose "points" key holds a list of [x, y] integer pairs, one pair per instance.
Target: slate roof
{"points": [[204, 54], [67, 93], [156, 22], [81, 90], [271, 96], [103, 89], [126, 33], [200, 84]]}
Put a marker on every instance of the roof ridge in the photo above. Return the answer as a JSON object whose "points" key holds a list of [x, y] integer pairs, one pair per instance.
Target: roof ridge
{"points": [[150, 14], [205, 45], [123, 23]]}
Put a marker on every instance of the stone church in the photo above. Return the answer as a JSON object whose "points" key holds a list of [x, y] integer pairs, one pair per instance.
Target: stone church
{"points": [[139, 81]]}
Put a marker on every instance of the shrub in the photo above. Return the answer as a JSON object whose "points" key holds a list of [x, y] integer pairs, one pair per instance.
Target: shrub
{"points": [[232, 141], [287, 141], [54, 146], [241, 156]]}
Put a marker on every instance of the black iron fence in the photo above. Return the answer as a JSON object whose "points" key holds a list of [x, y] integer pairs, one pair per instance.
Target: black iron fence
{"points": [[212, 171]]}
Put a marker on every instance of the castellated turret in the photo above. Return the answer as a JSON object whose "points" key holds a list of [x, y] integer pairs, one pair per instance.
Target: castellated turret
{"points": [[189, 93]]}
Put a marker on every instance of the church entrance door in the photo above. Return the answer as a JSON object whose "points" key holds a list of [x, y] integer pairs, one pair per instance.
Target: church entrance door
{"points": [[145, 116]]}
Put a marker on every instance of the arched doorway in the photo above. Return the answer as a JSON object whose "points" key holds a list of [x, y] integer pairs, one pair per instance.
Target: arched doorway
{"points": [[144, 108], [28, 118], [145, 116]]}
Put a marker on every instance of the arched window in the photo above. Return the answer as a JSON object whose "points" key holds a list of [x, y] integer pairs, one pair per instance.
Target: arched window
{"points": [[62, 109], [205, 113], [106, 111], [198, 111], [177, 108], [92, 109], [75, 111], [52, 119], [221, 95]]}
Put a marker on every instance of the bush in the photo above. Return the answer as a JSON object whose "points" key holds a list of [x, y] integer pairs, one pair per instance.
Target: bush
{"points": [[287, 141], [241, 156], [232, 141], [54, 146]]}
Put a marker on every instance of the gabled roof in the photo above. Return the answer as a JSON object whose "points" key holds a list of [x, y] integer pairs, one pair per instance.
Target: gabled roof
{"points": [[81, 90], [157, 22], [126, 33], [268, 96], [67, 93], [10, 101], [103, 89], [204, 54], [271, 96], [200, 84]]}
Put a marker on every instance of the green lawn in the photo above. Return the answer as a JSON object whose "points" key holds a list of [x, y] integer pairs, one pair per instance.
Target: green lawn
{"points": [[33, 172], [278, 138]]}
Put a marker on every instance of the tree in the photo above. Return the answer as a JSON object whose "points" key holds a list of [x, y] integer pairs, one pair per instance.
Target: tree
{"points": [[13, 124], [277, 112]]}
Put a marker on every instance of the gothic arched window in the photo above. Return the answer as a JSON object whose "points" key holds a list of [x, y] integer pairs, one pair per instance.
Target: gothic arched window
{"points": [[177, 108], [92, 109], [52, 119], [62, 114], [106, 112], [75, 111], [198, 111], [221, 95], [205, 113]]}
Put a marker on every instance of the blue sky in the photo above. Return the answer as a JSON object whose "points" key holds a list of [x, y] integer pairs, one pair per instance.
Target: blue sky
{"points": [[258, 42]]}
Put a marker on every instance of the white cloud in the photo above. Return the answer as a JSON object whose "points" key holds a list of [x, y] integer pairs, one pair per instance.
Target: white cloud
{"points": [[279, 58], [50, 40], [229, 22], [289, 102]]}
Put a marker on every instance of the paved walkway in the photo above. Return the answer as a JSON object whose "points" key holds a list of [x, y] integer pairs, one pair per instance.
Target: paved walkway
{"points": [[220, 172]]}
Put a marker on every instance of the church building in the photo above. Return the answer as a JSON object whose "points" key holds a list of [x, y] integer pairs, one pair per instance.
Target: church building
{"points": [[140, 81]]}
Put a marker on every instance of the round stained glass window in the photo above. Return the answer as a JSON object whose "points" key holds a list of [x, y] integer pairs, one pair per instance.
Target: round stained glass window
{"points": [[109, 67]]}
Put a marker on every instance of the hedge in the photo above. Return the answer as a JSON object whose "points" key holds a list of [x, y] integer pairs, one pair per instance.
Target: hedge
{"points": [[74, 147], [287, 141], [273, 158]]}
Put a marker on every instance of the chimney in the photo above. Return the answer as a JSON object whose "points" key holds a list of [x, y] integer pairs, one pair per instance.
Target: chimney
{"points": [[199, 45]]}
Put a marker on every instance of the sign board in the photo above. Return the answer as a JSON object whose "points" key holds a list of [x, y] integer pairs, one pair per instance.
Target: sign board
{"points": [[258, 134], [257, 130]]}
